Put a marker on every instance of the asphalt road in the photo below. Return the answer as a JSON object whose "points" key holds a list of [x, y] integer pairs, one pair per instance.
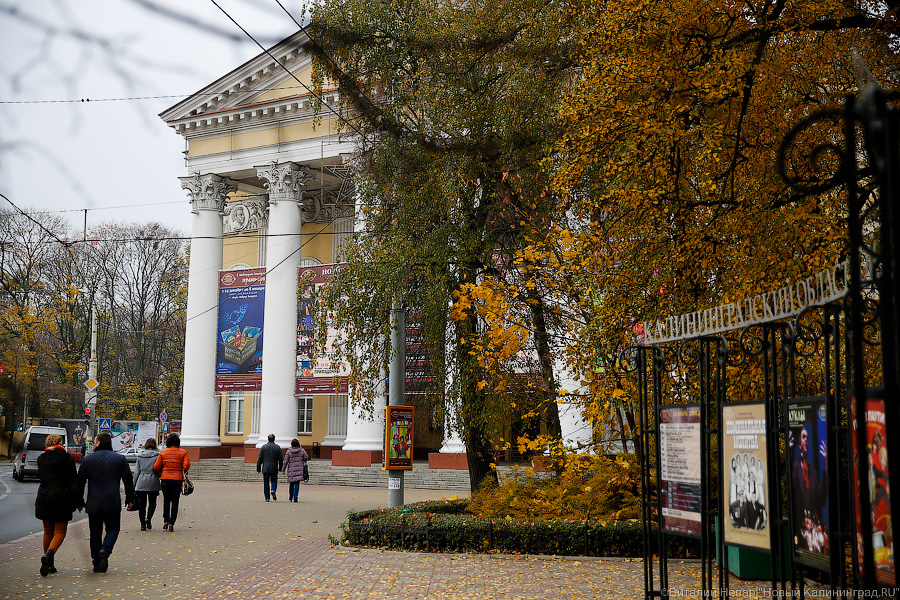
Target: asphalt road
{"points": [[17, 506]]}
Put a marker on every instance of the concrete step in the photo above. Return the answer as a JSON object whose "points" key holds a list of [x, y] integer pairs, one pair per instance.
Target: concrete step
{"points": [[322, 472]]}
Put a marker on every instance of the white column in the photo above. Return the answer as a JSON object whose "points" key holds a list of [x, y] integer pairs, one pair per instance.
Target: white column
{"points": [[453, 443], [576, 431], [278, 408], [200, 408], [364, 431]]}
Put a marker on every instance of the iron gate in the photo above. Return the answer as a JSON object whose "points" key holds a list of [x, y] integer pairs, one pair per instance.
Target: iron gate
{"points": [[825, 350]]}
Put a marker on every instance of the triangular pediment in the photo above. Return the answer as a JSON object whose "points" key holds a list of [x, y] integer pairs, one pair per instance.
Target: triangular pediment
{"points": [[258, 88]]}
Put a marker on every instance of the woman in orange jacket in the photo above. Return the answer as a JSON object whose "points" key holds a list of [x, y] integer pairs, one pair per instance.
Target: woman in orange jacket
{"points": [[171, 464]]}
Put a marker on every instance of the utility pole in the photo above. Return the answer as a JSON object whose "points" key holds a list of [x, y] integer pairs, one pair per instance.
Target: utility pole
{"points": [[90, 396], [396, 391]]}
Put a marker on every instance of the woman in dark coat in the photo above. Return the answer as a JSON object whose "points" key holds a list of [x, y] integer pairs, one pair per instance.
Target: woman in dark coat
{"points": [[56, 498]]}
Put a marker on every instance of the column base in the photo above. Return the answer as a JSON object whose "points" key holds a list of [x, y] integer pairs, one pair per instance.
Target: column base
{"points": [[445, 460], [355, 458]]}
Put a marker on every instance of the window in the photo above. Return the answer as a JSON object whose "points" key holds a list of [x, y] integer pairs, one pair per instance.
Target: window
{"points": [[304, 414], [235, 412]]}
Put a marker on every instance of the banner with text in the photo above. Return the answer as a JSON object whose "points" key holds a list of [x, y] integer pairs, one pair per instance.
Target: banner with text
{"points": [[317, 373], [239, 347], [807, 456], [745, 483], [679, 450]]}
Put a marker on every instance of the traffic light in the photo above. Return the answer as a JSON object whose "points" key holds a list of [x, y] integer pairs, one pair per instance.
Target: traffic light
{"points": [[87, 411]]}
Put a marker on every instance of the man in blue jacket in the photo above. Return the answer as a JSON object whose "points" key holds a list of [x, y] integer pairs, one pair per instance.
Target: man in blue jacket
{"points": [[102, 470], [269, 464]]}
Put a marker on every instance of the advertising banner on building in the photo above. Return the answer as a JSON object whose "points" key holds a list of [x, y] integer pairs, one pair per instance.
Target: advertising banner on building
{"points": [[878, 479], [398, 437], [317, 373], [419, 376], [679, 472], [807, 458], [239, 347], [745, 484], [125, 434]]}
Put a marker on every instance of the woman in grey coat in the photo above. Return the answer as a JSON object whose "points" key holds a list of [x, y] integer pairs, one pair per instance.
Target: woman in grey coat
{"points": [[146, 483]]}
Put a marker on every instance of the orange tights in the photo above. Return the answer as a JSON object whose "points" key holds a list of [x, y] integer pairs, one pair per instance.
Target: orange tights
{"points": [[54, 534]]}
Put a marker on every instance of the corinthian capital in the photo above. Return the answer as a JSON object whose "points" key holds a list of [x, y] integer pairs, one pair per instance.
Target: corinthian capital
{"points": [[285, 181], [208, 192]]}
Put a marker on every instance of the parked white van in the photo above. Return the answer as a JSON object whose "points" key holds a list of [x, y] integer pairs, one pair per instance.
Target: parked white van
{"points": [[33, 446]]}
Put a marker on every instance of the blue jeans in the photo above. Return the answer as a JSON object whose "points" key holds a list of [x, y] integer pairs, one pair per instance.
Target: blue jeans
{"points": [[267, 478], [171, 489], [96, 522], [293, 490]]}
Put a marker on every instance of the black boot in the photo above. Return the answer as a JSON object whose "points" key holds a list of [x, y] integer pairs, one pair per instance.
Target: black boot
{"points": [[46, 563]]}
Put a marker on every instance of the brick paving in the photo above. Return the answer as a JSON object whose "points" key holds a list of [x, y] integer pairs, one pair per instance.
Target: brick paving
{"points": [[229, 543]]}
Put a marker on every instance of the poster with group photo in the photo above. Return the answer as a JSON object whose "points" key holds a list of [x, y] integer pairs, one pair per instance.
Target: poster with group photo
{"points": [[239, 347], [745, 484], [679, 449], [398, 437], [807, 447], [878, 480]]}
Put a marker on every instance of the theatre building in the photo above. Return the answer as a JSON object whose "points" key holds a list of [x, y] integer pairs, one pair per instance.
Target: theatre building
{"points": [[272, 195]]}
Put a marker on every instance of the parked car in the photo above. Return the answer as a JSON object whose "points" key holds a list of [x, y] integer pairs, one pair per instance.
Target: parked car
{"points": [[75, 451], [130, 453], [34, 444]]}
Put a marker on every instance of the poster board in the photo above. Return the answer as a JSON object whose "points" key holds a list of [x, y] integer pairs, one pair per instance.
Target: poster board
{"points": [[745, 475], [878, 481], [239, 343], [327, 372], [679, 469], [398, 437], [807, 447]]}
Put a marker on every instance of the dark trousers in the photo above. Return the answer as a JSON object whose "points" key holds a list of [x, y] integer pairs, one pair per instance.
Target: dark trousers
{"points": [[146, 502], [269, 480], [171, 489], [96, 522]]}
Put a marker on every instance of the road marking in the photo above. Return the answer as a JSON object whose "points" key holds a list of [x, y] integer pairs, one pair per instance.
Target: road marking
{"points": [[7, 489]]}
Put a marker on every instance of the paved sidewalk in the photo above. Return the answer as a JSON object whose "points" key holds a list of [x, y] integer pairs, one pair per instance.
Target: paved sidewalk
{"points": [[229, 543]]}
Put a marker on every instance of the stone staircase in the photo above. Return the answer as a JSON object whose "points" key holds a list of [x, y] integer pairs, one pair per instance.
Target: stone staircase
{"points": [[322, 472]]}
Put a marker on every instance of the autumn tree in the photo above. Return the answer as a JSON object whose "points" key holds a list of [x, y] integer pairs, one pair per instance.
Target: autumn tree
{"points": [[452, 104], [667, 166]]}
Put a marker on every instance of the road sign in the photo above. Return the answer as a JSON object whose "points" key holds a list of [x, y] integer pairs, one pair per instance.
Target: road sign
{"points": [[105, 424], [165, 427], [91, 383], [163, 416]]}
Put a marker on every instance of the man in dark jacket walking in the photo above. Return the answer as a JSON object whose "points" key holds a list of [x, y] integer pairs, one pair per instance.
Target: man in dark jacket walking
{"points": [[269, 464], [102, 470]]}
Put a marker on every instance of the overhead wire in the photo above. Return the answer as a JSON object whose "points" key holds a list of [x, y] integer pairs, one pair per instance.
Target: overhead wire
{"points": [[289, 72]]}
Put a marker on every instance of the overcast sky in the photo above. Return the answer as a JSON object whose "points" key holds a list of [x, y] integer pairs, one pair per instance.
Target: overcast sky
{"points": [[102, 155]]}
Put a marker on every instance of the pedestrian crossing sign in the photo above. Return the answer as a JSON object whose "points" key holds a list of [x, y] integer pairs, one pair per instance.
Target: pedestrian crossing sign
{"points": [[105, 424]]}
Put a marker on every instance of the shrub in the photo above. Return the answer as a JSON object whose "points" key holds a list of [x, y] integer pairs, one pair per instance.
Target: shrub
{"points": [[585, 488], [447, 526]]}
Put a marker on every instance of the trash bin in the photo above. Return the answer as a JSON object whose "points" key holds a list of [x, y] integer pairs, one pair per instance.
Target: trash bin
{"points": [[317, 451]]}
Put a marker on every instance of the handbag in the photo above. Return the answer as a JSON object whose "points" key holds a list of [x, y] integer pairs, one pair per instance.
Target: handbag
{"points": [[187, 487], [305, 472]]}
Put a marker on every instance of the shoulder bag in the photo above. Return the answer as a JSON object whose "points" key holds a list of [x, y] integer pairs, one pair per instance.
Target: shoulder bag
{"points": [[187, 487]]}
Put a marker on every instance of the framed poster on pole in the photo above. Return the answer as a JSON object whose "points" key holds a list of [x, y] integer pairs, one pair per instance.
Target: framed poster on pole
{"points": [[807, 447], [679, 469], [745, 475], [398, 437]]}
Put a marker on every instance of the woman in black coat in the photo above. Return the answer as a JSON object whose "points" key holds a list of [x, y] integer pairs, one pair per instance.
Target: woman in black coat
{"points": [[56, 498]]}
